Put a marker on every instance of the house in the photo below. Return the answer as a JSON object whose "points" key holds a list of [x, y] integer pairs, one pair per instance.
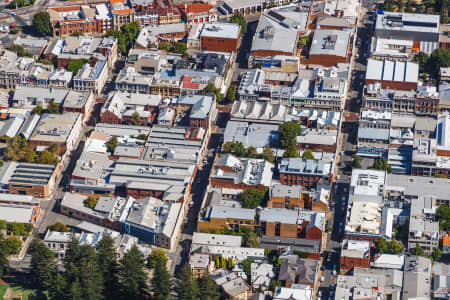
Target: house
{"points": [[298, 271], [222, 37], [251, 134], [261, 276], [233, 286], [74, 18], [389, 261]]}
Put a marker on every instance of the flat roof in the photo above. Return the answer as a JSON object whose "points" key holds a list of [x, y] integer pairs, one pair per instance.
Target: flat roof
{"points": [[16, 213], [223, 212], [330, 42], [55, 127], [221, 30]]}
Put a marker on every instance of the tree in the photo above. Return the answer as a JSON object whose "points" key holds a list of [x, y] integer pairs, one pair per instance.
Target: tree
{"points": [[58, 226], [3, 225], [436, 255], [231, 93], [76, 33], [247, 267], [48, 158], [20, 50], [16, 228], [90, 202], [12, 245], [421, 58], [156, 258], [226, 147], [45, 61], [112, 144], [250, 238], [53, 108], [304, 41], [133, 279], [38, 110], [125, 36], [268, 154], [208, 288], [223, 262], [239, 19], [211, 89], [230, 263], [19, 150], [438, 59], [274, 283], [161, 283], [142, 136], [252, 152], [186, 285], [382, 164], [418, 251], [307, 154], [135, 119], [43, 265], [41, 23], [443, 216], [75, 65], [216, 261], [253, 198], [108, 265], [4, 263], [164, 46], [356, 163], [238, 148], [288, 133], [179, 47], [291, 152]]}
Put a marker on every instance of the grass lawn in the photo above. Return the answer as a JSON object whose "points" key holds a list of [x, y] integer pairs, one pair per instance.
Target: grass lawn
{"points": [[3, 289]]}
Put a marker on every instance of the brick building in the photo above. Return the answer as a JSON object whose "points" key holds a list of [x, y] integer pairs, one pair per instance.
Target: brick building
{"points": [[167, 12], [223, 37], [393, 75], [223, 217], [329, 47], [198, 12], [307, 173], [355, 254]]}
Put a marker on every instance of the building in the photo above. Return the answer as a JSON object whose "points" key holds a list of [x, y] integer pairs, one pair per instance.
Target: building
{"points": [[200, 240], [355, 254], [37, 180], [29, 97], [287, 223], [122, 107], [261, 275], [91, 78], [201, 110], [319, 139], [367, 185], [304, 172], [298, 271], [19, 209], [168, 12], [300, 292], [373, 133], [364, 222], [243, 7], [107, 211], [198, 12], [201, 264], [222, 37], [73, 19], [63, 130], [389, 261], [329, 47], [394, 75], [154, 221], [422, 29], [223, 217], [417, 278], [370, 284], [233, 286], [60, 79], [286, 196], [121, 14], [235, 173], [423, 229], [79, 102], [150, 36]]}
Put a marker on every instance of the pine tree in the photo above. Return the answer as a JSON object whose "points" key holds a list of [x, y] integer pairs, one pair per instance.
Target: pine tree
{"points": [[107, 262], [43, 265], [133, 279], [161, 283], [208, 288], [186, 285], [57, 290]]}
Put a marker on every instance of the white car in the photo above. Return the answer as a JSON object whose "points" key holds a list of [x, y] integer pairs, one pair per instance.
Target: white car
{"points": [[12, 13]]}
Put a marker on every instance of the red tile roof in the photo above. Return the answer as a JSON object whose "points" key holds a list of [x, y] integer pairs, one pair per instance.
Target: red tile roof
{"points": [[187, 83], [196, 7]]}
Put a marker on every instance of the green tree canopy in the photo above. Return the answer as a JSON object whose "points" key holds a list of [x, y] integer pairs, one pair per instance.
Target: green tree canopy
{"points": [[108, 265], [20, 50], [421, 58], [288, 133], [11, 245], [382, 164], [58, 226], [307, 154], [247, 267], [112, 144], [38, 110], [253, 198], [231, 93], [3, 225], [43, 265], [75, 65], [239, 19], [161, 283], [186, 285], [41, 23], [135, 118], [392, 247], [157, 258], [208, 288], [53, 108], [356, 163], [268, 154], [437, 254], [418, 251], [133, 278], [290, 152], [252, 152], [443, 216], [90, 202], [211, 89]]}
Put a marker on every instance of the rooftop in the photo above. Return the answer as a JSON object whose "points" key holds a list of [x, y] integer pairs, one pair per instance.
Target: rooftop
{"points": [[330, 42], [55, 128], [221, 30]]}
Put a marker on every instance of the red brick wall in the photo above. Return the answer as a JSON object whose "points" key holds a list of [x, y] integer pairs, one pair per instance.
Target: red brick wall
{"points": [[230, 184], [348, 263], [109, 117], [264, 53], [395, 85], [197, 123], [219, 44], [325, 60], [136, 193], [313, 233], [303, 180], [324, 148]]}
